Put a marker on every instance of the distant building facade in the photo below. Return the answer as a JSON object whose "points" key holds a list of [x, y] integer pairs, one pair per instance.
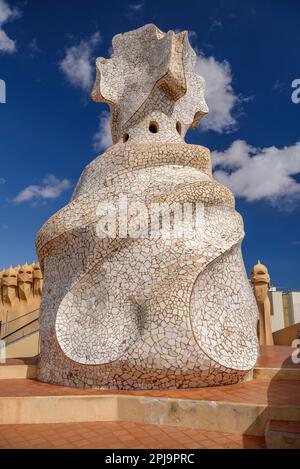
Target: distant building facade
{"points": [[285, 308], [284, 305]]}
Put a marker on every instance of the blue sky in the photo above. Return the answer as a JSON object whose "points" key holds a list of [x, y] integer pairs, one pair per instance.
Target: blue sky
{"points": [[50, 129]]}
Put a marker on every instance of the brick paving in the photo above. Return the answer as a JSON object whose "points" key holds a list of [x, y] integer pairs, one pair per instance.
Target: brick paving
{"points": [[119, 435], [276, 356], [255, 391], [285, 426], [263, 392], [129, 435]]}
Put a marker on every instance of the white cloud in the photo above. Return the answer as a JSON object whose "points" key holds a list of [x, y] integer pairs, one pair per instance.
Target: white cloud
{"points": [[77, 65], [102, 138], [136, 6], [2, 181], [6, 44], [279, 86], [50, 188], [260, 173], [193, 36], [216, 25], [7, 13], [134, 10], [219, 94], [33, 47]]}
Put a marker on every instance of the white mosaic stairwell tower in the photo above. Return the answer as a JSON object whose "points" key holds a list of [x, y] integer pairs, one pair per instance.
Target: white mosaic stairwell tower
{"points": [[146, 312]]}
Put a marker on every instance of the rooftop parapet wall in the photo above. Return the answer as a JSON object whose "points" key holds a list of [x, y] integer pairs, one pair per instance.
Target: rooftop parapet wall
{"points": [[20, 291]]}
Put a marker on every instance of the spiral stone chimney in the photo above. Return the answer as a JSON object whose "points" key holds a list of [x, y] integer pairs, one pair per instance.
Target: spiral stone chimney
{"points": [[144, 281]]}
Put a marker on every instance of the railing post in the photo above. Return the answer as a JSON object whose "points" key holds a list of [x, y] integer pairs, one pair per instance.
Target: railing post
{"points": [[6, 323], [2, 351], [39, 342]]}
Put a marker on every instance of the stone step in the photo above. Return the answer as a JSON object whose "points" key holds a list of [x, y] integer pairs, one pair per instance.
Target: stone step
{"points": [[22, 370], [276, 363], [282, 434], [277, 373], [15, 368], [243, 408], [18, 369]]}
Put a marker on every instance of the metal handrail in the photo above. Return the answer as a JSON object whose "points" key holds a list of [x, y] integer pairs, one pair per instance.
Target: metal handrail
{"points": [[20, 328], [24, 337], [23, 315]]}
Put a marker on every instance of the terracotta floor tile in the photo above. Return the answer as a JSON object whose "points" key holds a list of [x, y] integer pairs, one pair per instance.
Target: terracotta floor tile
{"points": [[139, 436], [133, 435], [256, 391]]}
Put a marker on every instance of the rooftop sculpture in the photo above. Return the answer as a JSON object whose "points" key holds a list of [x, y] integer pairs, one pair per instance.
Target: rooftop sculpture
{"points": [[261, 280], [141, 309], [152, 74], [20, 290]]}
